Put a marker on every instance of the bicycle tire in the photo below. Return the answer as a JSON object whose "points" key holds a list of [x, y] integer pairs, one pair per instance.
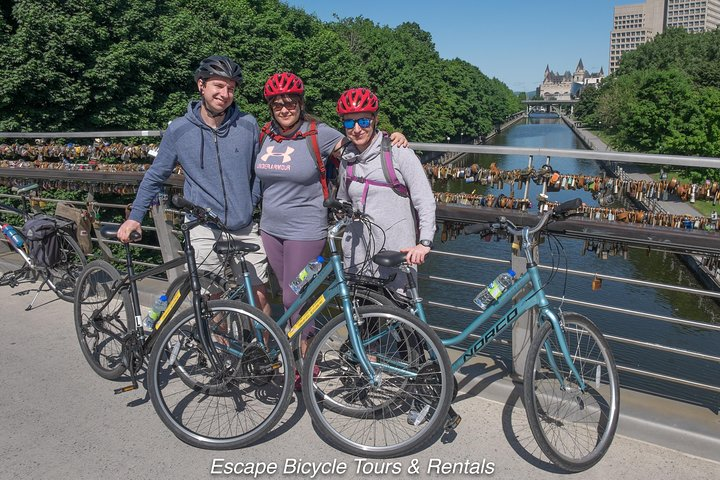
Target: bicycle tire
{"points": [[62, 277], [203, 407], [100, 333], [361, 296], [573, 428], [385, 429]]}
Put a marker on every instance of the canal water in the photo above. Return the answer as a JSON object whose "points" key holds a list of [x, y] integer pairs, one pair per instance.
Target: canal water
{"points": [[662, 267]]}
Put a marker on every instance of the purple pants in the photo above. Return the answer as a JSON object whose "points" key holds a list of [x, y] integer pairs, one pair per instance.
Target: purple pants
{"points": [[287, 258]]}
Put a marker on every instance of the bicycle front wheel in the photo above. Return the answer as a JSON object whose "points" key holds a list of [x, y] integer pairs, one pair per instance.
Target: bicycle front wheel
{"points": [[63, 276], [406, 407], [102, 318], [574, 428], [228, 407]]}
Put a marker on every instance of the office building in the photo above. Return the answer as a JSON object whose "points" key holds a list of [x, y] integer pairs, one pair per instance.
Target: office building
{"points": [[636, 24]]}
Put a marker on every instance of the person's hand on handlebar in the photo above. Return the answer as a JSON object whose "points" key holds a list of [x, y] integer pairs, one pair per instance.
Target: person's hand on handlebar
{"points": [[127, 228], [416, 255]]}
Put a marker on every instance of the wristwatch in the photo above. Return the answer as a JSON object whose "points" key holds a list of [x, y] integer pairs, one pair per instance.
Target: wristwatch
{"points": [[426, 243]]}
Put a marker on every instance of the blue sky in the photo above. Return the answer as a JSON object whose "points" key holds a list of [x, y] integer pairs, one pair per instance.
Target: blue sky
{"points": [[512, 40]]}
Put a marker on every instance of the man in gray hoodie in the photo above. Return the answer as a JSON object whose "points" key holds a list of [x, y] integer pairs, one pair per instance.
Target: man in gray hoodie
{"points": [[216, 145]]}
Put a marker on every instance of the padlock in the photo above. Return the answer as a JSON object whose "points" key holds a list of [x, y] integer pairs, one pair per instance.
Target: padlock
{"points": [[596, 283]]}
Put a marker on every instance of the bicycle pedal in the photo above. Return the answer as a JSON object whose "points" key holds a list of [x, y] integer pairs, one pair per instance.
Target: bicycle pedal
{"points": [[129, 388], [452, 420]]}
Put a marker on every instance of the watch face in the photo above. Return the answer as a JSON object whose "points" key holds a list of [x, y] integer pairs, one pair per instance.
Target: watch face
{"points": [[426, 243]]}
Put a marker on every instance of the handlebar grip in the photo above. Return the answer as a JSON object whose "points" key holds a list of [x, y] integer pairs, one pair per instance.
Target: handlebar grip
{"points": [[573, 204], [179, 201], [204, 214], [338, 206], [135, 236], [476, 228]]}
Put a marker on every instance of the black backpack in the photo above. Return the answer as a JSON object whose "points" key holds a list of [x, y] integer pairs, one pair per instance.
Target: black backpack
{"points": [[41, 234]]}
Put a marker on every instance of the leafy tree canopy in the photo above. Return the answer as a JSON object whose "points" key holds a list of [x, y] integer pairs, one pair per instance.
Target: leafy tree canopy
{"points": [[127, 64], [663, 98]]}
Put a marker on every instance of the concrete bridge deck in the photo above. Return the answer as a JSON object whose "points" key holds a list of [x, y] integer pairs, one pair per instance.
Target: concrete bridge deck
{"points": [[60, 420]]}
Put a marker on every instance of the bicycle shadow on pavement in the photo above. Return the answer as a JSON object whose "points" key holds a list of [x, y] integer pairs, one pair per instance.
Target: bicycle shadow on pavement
{"points": [[517, 432], [494, 381]]}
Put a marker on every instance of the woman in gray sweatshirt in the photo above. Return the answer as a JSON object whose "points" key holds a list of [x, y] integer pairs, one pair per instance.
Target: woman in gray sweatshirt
{"points": [[404, 216]]}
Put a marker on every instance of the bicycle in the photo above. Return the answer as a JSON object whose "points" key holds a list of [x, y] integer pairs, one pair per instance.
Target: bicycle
{"points": [[571, 387], [234, 363], [61, 276], [398, 370]]}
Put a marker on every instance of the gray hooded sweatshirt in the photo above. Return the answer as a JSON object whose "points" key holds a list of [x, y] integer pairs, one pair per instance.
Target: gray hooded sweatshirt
{"points": [[392, 213], [217, 163]]}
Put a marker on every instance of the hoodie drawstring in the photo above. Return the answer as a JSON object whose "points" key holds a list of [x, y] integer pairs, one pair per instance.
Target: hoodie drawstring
{"points": [[202, 150]]}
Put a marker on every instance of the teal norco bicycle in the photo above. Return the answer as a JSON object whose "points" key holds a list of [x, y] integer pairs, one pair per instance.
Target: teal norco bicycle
{"points": [[570, 388]]}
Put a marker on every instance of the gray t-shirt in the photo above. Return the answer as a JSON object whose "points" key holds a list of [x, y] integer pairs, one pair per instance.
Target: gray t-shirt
{"points": [[292, 205]]}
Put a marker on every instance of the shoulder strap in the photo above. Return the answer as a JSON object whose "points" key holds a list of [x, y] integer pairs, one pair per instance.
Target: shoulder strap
{"points": [[389, 170], [264, 131], [314, 147]]}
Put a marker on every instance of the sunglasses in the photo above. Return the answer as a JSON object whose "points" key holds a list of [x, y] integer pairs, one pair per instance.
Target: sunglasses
{"points": [[349, 123], [290, 105]]}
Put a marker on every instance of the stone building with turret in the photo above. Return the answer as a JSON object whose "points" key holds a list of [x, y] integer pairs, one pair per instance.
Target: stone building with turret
{"points": [[568, 85]]}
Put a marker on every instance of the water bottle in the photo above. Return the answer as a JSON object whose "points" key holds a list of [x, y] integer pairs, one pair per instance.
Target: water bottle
{"points": [[12, 235], [307, 274], [494, 289], [152, 316]]}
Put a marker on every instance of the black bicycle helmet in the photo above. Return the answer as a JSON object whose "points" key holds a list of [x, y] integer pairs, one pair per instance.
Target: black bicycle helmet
{"points": [[218, 66]]}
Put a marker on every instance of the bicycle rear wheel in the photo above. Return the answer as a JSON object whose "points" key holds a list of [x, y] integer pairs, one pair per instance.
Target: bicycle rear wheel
{"points": [[406, 410], [574, 428], [63, 276], [224, 409], [102, 318]]}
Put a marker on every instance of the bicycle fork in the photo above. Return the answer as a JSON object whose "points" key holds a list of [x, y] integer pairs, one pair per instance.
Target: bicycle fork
{"points": [[558, 327], [453, 418]]}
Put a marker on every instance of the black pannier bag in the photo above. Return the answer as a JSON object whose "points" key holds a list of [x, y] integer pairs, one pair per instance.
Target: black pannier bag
{"points": [[41, 233]]}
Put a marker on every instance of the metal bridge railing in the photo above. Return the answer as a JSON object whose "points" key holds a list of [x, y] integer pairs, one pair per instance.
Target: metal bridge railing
{"points": [[462, 258], [169, 244]]}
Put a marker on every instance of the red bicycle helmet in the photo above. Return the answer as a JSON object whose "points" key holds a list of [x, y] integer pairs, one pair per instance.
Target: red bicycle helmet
{"points": [[284, 83], [357, 100]]}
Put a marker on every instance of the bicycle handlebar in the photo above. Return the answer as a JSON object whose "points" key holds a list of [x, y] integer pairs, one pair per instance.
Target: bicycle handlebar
{"points": [[558, 212], [338, 206], [202, 214]]}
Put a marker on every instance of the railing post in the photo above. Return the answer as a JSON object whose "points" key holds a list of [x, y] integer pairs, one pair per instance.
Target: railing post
{"points": [[522, 332], [107, 253], [169, 244]]}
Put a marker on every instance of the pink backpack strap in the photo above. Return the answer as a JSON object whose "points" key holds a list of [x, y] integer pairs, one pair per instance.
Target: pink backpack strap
{"points": [[391, 180], [389, 170]]}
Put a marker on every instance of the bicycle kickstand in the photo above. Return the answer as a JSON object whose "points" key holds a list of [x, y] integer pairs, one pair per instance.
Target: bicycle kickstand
{"points": [[29, 307]]}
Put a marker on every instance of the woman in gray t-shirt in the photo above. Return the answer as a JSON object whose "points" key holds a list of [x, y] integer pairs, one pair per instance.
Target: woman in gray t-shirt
{"points": [[293, 224], [403, 222]]}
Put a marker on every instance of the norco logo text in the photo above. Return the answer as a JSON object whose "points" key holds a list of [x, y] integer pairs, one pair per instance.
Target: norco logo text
{"points": [[490, 334]]}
